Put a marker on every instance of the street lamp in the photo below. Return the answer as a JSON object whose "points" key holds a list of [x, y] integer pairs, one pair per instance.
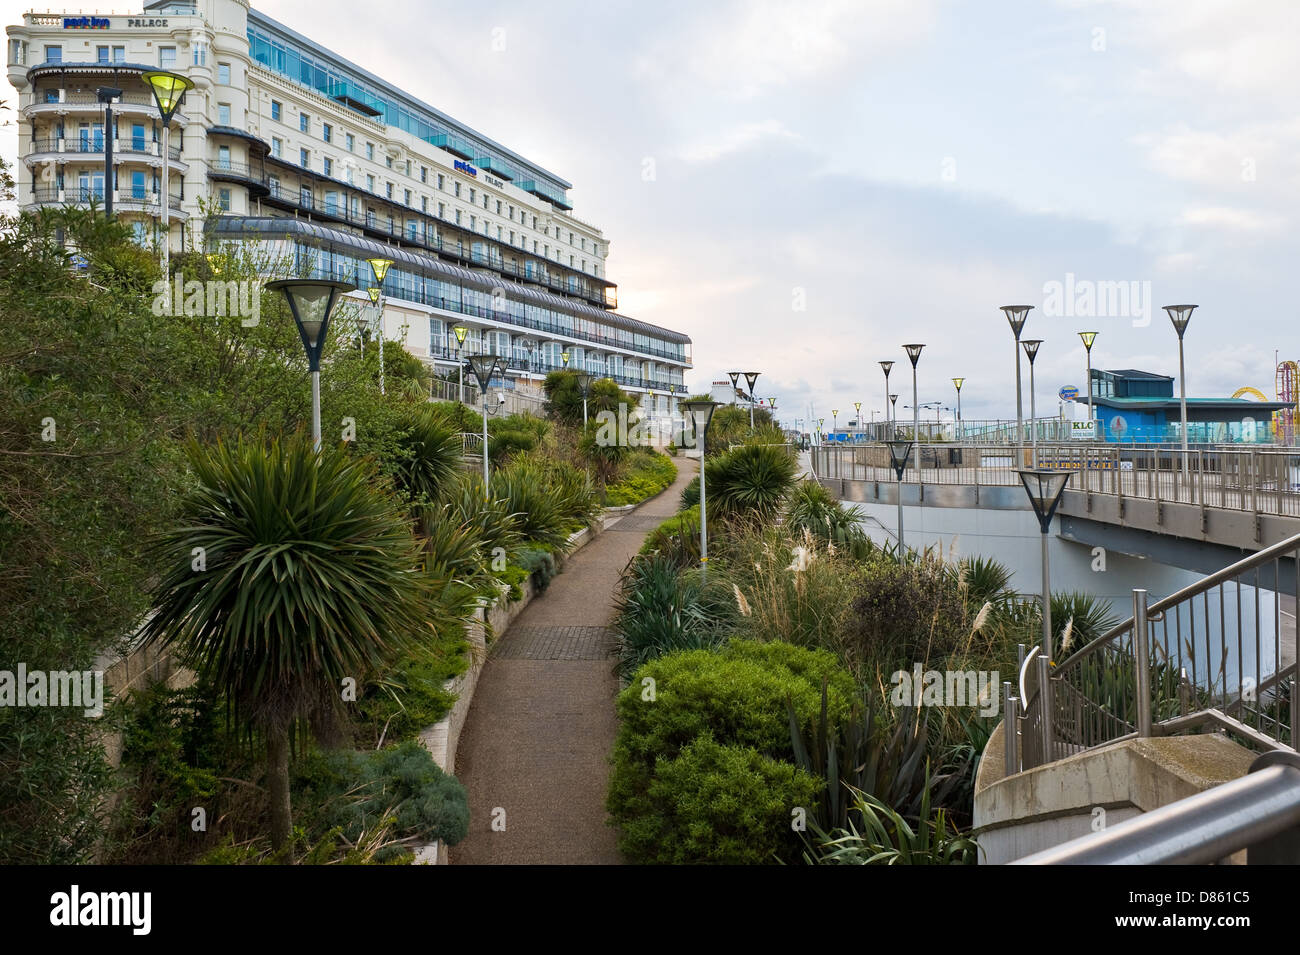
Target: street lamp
{"points": [[1088, 339], [106, 95], [886, 366], [460, 331], [564, 357], [584, 383], [375, 293], [735, 378], [1016, 316], [1031, 346], [380, 268], [1180, 315], [835, 422], [893, 403], [914, 353], [168, 92], [701, 412], [898, 454], [958, 382], [751, 378], [485, 368], [310, 302], [1044, 489]]}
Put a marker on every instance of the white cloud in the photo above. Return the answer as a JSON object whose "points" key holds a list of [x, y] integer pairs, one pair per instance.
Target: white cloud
{"points": [[735, 139], [1225, 217]]}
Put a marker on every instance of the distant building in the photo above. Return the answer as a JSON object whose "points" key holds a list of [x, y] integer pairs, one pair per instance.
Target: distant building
{"points": [[1140, 407]]}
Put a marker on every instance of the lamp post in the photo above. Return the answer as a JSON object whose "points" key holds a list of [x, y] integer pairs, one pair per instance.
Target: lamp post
{"points": [[168, 92], [914, 354], [886, 366], [1044, 489], [835, 422], [310, 302], [1031, 346], [958, 382], [460, 331], [1088, 339], [106, 95], [564, 357], [751, 378], [898, 454], [380, 268], [735, 386], [701, 412], [1016, 315], [485, 369], [857, 411], [1180, 315], [893, 404], [584, 383], [375, 292]]}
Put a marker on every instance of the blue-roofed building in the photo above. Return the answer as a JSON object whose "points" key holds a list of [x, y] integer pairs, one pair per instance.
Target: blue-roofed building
{"points": [[1140, 407]]}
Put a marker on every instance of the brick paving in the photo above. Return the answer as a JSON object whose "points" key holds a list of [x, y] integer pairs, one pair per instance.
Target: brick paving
{"points": [[537, 739]]}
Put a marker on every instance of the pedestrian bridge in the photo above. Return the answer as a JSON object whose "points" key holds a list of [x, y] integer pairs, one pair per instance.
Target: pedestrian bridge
{"points": [[1161, 720]]}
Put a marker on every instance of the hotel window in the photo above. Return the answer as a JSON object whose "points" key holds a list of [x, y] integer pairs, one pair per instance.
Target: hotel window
{"points": [[388, 189], [390, 225], [223, 200], [485, 200], [304, 158], [424, 203], [276, 146], [370, 183], [304, 122], [223, 74], [349, 140], [498, 207], [472, 225], [273, 183], [275, 109], [200, 54], [440, 181], [223, 157], [348, 173], [498, 232], [442, 211], [471, 196], [119, 54], [424, 174], [456, 190], [53, 54], [408, 167], [534, 222], [327, 132], [389, 161], [370, 151], [223, 114], [512, 236], [457, 217], [304, 196], [406, 197], [327, 166], [101, 54], [167, 57]]}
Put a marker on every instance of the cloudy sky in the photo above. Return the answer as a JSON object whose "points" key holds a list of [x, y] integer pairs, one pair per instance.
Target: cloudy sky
{"points": [[804, 186]]}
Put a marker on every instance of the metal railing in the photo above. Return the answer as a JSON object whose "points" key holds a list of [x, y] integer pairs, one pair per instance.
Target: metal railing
{"points": [[77, 196], [1261, 481], [1260, 812]]}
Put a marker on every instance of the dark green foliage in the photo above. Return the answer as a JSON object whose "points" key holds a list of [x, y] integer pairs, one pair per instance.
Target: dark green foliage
{"points": [[564, 398], [880, 835], [691, 494], [986, 580], [751, 481], [524, 491], [541, 565], [512, 435], [719, 805], [736, 697], [357, 792], [1087, 616], [677, 538], [905, 614], [430, 456], [409, 694], [659, 611], [645, 474]]}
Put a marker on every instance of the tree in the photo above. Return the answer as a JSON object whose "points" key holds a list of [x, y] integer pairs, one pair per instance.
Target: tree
{"points": [[289, 573]]}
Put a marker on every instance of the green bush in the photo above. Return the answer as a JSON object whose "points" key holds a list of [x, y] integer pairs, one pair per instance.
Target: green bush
{"points": [[721, 805], [524, 490], [648, 474], [409, 695], [677, 538], [659, 611], [429, 455], [904, 614], [540, 563], [691, 494], [401, 789], [812, 508], [752, 480]]}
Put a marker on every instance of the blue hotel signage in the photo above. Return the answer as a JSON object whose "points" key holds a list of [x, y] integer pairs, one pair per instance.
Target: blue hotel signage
{"points": [[466, 168], [85, 23]]}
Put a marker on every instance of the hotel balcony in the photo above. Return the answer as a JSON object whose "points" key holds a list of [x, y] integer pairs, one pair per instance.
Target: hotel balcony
{"points": [[124, 200], [252, 176], [90, 149], [62, 102]]}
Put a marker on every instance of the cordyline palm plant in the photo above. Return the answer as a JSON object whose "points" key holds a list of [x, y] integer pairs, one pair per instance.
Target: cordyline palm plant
{"points": [[290, 572]]}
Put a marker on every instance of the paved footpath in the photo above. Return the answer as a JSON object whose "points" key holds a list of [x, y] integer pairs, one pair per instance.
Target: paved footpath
{"points": [[541, 726]]}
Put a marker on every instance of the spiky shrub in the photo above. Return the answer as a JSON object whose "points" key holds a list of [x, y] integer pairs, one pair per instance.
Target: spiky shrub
{"points": [[524, 491], [513, 435], [751, 481], [812, 508], [677, 539], [659, 611], [985, 580], [605, 457], [735, 696], [883, 836], [428, 457], [691, 494], [309, 575], [490, 518]]}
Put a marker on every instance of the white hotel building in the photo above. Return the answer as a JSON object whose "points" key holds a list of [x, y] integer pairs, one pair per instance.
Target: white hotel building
{"points": [[323, 161]]}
